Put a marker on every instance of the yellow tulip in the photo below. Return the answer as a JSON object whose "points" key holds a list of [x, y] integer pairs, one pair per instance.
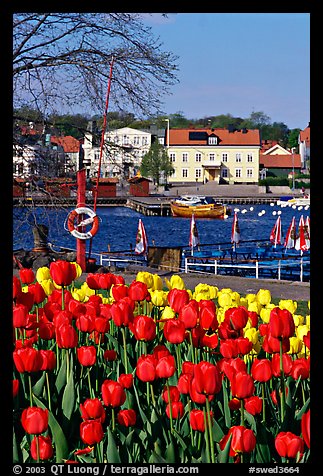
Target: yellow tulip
{"points": [[157, 283], [224, 298], [251, 297], [244, 302], [158, 298], [235, 298], [255, 306], [79, 294], [295, 345], [48, 286], [42, 274], [175, 282], [302, 331], [264, 297], [252, 334], [265, 314], [146, 278], [307, 320], [220, 314], [298, 319], [86, 290], [24, 289], [288, 304]]}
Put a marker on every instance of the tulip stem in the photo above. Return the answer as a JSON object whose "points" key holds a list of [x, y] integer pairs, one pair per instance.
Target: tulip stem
{"points": [[191, 343], [282, 381], [208, 417], [170, 407], [37, 448], [48, 393], [63, 302], [206, 435], [263, 402], [242, 412], [67, 365], [113, 419], [30, 391], [124, 349], [152, 394], [89, 380]]}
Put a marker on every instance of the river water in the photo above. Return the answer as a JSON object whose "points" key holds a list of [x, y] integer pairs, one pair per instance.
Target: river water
{"points": [[118, 226]]}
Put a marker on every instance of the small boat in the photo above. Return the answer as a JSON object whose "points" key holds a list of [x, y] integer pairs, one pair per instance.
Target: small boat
{"points": [[201, 207], [298, 201]]}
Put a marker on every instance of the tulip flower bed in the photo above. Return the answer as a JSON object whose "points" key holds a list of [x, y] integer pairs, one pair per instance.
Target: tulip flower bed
{"points": [[109, 372]]}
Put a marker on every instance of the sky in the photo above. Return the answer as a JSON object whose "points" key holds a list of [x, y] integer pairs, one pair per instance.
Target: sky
{"points": [[239, 63]]}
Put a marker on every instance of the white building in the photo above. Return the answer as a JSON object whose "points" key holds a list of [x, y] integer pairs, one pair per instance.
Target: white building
{"points": [[122, 153]]}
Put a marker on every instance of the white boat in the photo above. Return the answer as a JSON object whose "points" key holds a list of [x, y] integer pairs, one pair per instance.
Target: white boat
{"points": [[297, 201]]}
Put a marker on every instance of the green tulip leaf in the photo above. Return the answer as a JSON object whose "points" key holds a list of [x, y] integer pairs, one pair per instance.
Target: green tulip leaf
{"points": [[39, 385], [223, 456], [155, 458], [112, 450], [68, 401], [59, 439], [61, 376], [170, 452], [264, 442]]}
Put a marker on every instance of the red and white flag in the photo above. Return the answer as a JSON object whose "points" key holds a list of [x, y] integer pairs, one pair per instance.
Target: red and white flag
{"points": [[141, 239], [235, 231], [290, 238], [194, 235], [276, 233], [303, 239]]}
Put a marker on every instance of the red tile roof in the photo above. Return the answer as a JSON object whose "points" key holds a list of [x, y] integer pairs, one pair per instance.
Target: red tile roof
{"points": [[69, 143], [305, 136], [181, 137], [280, 161], [267, 144]]}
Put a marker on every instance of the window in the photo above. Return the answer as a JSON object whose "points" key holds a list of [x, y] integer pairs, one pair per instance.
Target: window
{"points": [[249, 157], [249, 173], [198, 157], [238, 157], [20, 169], [172, 157], [198, 173], [144, 140], [238, 173], [125, 140], [136, 140], [185, 157], [184, 173], [211, 157], [116, 139], [213, 140], [224, 157], [96, 155], [224, 173]]}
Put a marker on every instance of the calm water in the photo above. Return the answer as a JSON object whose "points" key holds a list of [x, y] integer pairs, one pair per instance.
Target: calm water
{"points": [[119, 225]]}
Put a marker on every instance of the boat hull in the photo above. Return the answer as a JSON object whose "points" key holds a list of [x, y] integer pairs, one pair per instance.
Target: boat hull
{"points": [[199, 211]]}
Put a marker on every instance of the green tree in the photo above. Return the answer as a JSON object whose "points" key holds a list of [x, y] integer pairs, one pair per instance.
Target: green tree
{"points": [[156, 163], [293, 138]]}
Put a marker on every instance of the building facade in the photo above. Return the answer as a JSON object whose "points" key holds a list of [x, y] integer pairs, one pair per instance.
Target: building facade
{"points": [[221, 155], [122, 153], [304, 143]]}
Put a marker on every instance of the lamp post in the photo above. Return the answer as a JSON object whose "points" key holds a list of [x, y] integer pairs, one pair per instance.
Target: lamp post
{"points": [[293, 150]]}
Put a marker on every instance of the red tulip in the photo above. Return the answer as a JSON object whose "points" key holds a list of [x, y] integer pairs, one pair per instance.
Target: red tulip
{"points": [[46, 330], [102, 324], [242, 385], [113, 393], [174, 330], [85, 323], [287, 364], [48, 359], [56, 296], [281, 323], [106, 280], [127, 417], [138, 291], [261, 370], [253, 318], [225, 331], [300, 369], [93, 281], [160, 351], [126, 380], [119, 291], [229, 348], [38, 292], [27, 299], [50, 309], [27, 359], [146, 368], [62, 272], [92, 409], [165, 367], [42, 449], [15, 387], [91, 431], [121, 312], [20, 313], [177, 298], [196, 396], [243, 440], [272, 344], [231, 366], [188, 367], [119, 279], [210, 340], [143, 328], [62, 318], [16, 287], [34, 420], [207, 315], [307, 339], [188, 314], [306, 427], [110, 355], [66, 336], [86, 355], [184, 382], [253, 405], [27, 276], [173, 392], [177, 409], [197, 420], [197, 335], [207, 378], [288, 445], [237, 317], [234, 404]]}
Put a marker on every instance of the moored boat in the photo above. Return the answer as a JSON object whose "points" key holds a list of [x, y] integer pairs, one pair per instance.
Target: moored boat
{"points": [[199, 206], [298, 201]]}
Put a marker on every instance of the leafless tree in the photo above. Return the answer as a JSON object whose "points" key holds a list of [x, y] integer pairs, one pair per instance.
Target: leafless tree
{"points": [[61, 60]]}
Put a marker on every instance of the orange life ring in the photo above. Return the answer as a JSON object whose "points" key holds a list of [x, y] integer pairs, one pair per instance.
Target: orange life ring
{"points": [[93, 218]]}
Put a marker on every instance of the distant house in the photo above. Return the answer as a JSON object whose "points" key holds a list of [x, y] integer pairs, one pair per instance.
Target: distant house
{"points": [[221, 155], [139, 186], [278, 162], [304, 143], [71, 148]]}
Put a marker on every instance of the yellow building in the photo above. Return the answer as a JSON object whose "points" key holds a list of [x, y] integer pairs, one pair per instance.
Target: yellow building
{"points": [[227, 155]]}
